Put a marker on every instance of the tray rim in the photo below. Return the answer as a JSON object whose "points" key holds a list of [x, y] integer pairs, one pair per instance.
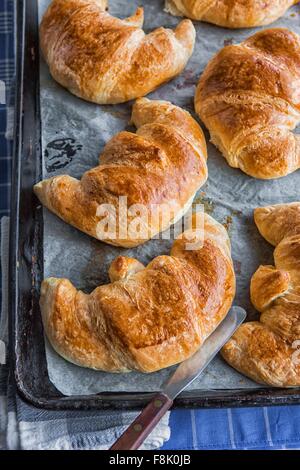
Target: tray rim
{"points": [[28, 57]]}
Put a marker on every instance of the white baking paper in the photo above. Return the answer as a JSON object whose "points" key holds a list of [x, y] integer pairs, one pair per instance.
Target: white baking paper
{"points": [[73, 135]]}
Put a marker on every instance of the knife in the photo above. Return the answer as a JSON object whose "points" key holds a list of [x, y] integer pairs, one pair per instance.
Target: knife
{"points": [[185, 374]]}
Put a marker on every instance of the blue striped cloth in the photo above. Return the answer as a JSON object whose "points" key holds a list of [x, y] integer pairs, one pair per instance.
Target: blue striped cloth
{"points": [[241, 428], [255, 428], [6, 75]]}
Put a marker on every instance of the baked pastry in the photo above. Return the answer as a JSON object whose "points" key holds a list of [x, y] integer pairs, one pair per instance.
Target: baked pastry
{"points": [[150, 318], [266, 350], [160, 168], [107, 60], [231, 13], [248, 98]]}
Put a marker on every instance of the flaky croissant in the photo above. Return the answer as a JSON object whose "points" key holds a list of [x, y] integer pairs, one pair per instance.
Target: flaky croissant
{"points": [[267, 350], [231, 13], [107, 60], [161, 167], [150, 317], [249, 99]]}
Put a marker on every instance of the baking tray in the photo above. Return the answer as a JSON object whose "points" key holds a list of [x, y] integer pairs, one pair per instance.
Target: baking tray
{"points": [[27, 347]]}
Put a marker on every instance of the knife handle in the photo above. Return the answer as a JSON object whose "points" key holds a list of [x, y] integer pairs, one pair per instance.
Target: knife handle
{"points": [[142, 426]]}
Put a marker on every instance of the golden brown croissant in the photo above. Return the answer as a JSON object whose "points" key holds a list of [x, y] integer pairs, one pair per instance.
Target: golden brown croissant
{"points": [[108, 60], [248, 97], [231, 13], [150, 317], [266, 351], [160, 168]]}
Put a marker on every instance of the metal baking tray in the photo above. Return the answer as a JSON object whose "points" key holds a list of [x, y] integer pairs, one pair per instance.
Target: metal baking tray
{"points": [[27, 349]]}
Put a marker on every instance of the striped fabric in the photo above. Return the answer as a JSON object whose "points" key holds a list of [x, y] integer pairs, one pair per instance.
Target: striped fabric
{"points": [[28, 428], [6, 75], [244, 428]]}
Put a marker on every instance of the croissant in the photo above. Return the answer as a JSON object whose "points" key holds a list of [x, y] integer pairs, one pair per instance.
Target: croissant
{"points": [[266, 350], [107, 60], [231, 13], [158, 170], [248, 97], [148, 318]]}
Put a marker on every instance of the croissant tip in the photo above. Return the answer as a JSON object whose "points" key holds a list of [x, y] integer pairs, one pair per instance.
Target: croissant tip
{"points": [[48, 287], [257, 210], [258, 213], [187, 21], [185, 33], [137, 19], [49, 282], [187, 24], [139, 11], [141, 100], [39, 187]]}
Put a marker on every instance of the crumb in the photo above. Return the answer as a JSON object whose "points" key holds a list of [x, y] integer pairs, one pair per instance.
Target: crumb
{"points": [[228, 222], [228, 42], [235, 212], [209, 206], [237, 266]]}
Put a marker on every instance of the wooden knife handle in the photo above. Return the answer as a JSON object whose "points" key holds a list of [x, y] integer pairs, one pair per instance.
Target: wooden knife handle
{"points": [[142, 426]]}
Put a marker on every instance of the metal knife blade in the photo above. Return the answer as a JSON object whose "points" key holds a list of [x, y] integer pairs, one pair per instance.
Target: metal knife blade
{"points": [[191, 368], [184, 375]]}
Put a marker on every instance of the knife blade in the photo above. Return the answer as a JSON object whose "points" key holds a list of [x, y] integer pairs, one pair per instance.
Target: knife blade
{"points": [[190, 369], [185, 374]]}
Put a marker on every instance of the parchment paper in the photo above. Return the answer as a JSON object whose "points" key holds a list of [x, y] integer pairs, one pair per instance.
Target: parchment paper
{"points": [[73, 135]]}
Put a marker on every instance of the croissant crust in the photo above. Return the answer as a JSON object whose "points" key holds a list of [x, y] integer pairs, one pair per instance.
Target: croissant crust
{"points": [[248, 98], [150, 317], [107, 60], [267, 350], [159, 169], [231, 13]]}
